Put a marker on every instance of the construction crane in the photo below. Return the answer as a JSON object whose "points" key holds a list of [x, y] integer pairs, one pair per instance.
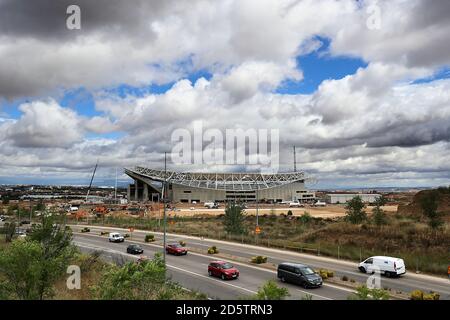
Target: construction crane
{"points": [[90, 184]]}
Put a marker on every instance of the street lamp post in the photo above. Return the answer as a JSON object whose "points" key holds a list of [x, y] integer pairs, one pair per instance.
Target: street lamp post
{"points": [[164, 204], [257, 205]]}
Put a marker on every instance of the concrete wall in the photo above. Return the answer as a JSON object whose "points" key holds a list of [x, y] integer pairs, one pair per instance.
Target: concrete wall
{"points": [[288, 192], [141, 191], [343, 198]]}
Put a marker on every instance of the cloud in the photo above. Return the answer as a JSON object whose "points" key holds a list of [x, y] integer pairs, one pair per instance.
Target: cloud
{"points": [[44, 125], [375, 123]]}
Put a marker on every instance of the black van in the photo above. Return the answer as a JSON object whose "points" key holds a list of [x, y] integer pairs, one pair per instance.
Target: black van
{"points": [[299, 274]]}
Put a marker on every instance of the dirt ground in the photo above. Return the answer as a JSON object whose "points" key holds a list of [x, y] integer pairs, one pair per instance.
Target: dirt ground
{"points": [[331, 211]]}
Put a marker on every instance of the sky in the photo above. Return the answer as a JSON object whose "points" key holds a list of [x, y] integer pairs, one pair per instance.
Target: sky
{"points": [[361, 88]]}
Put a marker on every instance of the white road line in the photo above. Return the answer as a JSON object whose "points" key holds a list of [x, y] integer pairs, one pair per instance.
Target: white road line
{"points": [[234, 262], [339, 288], [209, 278], [168, 265]]}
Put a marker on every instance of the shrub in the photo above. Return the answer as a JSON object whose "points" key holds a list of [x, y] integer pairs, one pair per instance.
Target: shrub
{"points": [[149, 238], [85, 229], [270, 291], [364, 293], [182, 243], [259, 259], [126, 235], [102, 233], [305, 218], [213, 250], [289, 213], [431, 296], [344, 278], [325, 274], [416, 295]]}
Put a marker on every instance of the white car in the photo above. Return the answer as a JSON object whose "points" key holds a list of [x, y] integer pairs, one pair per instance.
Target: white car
{"points": [[295, 203], [116, 237], [388, 266], [320, 204], [208, 204]]}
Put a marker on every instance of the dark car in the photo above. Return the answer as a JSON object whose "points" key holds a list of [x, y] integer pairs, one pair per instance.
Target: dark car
{"points": [[176, 248], [135, 249], [222, 269], [299, 274]]}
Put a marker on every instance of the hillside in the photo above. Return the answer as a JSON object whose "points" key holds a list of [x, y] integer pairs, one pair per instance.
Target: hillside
{"points": [[414, 209]]}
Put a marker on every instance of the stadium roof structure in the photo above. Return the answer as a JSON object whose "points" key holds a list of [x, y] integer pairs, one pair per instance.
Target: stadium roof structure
{"points": [[218, 181]]}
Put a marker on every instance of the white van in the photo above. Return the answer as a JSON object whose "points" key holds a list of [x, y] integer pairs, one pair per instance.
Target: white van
{"points": [[320, 204], [116, 237], [388, 266]]}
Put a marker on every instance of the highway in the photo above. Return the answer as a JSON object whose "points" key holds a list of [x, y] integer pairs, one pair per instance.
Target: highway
{"points": [[188, 270]]}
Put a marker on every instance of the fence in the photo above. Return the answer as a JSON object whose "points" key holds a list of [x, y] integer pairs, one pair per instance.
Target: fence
{"points": [[414, 261]]}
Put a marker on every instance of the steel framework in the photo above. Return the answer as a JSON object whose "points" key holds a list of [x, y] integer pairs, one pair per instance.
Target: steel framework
{"points": [[219, 181]]}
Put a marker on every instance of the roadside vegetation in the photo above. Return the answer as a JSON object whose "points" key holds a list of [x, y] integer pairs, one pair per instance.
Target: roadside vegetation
{"points": [[35, 268], [422, 241]]}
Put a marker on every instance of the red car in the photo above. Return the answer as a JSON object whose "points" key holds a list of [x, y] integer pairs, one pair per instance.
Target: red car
{"points": [[176, 249], [222, 269]]}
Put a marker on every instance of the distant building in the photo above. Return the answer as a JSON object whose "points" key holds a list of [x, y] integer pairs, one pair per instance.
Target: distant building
{"points": [[336, 198], [188, 187]]}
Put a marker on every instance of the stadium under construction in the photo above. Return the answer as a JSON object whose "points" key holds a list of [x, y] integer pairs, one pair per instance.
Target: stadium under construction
{"points": [[187, 187]]}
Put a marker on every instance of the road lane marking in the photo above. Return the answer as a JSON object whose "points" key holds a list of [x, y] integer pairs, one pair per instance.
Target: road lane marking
{"points": [[218, 281], [168, 265], [234, 262]]}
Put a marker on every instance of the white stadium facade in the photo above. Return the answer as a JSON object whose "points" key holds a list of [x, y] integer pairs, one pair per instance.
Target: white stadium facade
{"points": [[188, 187]]}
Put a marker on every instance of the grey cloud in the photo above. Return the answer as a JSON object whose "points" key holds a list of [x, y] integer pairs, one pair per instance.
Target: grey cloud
{"points": [[46, 19]]}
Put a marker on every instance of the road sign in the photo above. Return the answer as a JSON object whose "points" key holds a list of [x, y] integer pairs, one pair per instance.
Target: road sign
{"points": [[131, 229], [257, 230]]}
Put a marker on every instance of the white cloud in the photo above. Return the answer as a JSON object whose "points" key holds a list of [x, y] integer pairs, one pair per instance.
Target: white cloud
{"points": [[44, 124], [374, 122]]}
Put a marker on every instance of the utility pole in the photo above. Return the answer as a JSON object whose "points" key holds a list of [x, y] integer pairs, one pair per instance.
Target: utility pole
{"points": [[115, 190], [164, 203], [295, 161], [257, 204]]}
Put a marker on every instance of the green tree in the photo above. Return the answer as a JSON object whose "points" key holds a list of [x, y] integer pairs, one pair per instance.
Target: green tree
{"points": [[57, 250], [40, 206], [138, 281], [9, 229], [29, 268], [429, 204], [355, 212], [305, 218], [270, 291], [379, 217], [234, 219], [21, 266], [5, 200]]}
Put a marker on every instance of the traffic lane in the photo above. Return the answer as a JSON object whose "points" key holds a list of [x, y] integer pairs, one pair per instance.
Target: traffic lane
{"points": [[185, 279], [251, 278], [406, 283]]}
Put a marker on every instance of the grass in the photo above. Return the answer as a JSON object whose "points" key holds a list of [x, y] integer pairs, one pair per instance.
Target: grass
{"points": [[413, 241]]}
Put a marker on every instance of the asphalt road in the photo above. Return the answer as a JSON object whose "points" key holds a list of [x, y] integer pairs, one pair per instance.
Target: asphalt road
{"points": [[252, 277], [191, 272]]}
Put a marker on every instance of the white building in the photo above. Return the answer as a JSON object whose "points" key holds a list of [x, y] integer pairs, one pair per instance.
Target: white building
{"points": [[336, 198]]}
